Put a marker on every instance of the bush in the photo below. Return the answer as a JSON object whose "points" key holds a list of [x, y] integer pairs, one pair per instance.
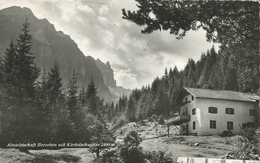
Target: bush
{"points": [[132, 154], [158, 157], [119, 123], [132, 139], [153, 118], [161, 121], [227, 133], [249, 134], [112, 156]]}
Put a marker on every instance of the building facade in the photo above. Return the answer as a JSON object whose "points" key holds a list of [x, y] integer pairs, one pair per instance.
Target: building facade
{"points": [[209, 112]]}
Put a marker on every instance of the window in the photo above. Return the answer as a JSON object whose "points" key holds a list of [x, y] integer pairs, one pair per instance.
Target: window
{"points": [[252, 112], [230, 126], [230, 111], [194, 111], [213, 110], [192, 98], [186, 99], [194, 125], [212, 124]]}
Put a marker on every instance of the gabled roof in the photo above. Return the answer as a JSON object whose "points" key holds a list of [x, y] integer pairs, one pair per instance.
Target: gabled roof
{"points": [[222, 95]]}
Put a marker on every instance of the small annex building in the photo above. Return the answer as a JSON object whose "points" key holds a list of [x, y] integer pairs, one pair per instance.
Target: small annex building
{"points": [[211, 112]]}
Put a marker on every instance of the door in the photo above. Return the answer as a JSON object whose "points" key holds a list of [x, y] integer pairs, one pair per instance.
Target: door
{"points": [[187, 129]]}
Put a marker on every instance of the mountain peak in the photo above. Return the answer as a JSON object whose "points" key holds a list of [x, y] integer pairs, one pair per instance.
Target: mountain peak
{"points": [[108, 64], [17, 10], [50, 45]]}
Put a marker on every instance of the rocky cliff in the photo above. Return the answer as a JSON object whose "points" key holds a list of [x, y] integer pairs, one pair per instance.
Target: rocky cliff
{"points": [[50, 45]]}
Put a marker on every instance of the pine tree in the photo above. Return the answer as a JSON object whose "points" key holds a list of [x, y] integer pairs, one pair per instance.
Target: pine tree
{"points": [[100, 136], [9, 79], [72, 98], [21, 80], [54, 87], [83, 97], [27, 72], [130, 110], [54, 100], [92, 99], [1, 83], [92, 91]]}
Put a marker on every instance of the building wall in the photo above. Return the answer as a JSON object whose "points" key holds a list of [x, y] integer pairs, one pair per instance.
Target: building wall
{"points": [[203, 117], [186, 109], [241, 115]]}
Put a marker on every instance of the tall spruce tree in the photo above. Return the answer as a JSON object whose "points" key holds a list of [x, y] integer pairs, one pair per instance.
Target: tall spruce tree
{"points": [[9, 79], [27, 72], [83, 97], [20, 75], [92, 99], [72, 97], [131, 110], [54, 87], [54, 101]]}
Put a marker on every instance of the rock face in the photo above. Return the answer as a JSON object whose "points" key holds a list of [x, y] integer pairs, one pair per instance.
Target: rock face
{"points": [[51, 46]]}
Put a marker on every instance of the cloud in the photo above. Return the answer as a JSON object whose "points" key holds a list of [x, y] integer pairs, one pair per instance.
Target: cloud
{"points": [[100, 31], [126, 79]]}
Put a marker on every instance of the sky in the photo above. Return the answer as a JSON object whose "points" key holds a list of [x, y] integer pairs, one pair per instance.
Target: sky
{"points": [[100, 31]]}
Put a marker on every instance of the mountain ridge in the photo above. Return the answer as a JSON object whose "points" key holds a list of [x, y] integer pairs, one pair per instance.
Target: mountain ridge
{"points": [[50, 45]]}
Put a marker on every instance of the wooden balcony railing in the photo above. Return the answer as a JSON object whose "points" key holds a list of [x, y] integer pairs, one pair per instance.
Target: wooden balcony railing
{"points": [[177, 120]]}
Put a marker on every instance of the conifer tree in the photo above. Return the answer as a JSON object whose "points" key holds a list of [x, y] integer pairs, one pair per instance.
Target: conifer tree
{"points": [[54, 87], [72, 98], [92, 99], [27, 72], [82, 97], [131, 110], [54, 100], [9, 71]]}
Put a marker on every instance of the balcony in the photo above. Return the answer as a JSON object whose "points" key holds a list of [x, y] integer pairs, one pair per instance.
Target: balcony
{"points": [[177, 120]]}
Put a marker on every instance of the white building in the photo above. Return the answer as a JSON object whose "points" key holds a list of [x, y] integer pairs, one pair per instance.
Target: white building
{"points": [[210, 112]]}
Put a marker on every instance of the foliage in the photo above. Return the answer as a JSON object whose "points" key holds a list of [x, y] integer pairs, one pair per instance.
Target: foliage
{"points": [[227, 133], [100, 137], [224, 22], [161, 121], [34, 106], [131, 152], [158, 157], [250, 148], [112, 156]]}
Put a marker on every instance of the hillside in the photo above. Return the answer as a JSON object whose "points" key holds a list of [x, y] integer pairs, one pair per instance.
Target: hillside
{"points": [[50, 45], [177, 145]]}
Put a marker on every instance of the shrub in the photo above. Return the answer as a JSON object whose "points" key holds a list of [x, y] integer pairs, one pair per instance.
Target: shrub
{"points": [[161, 121], [153, 118], [119, 123], [158, 157], [132, 139], [249, 134], [112, 156], [132, 154], [227, 133]]}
